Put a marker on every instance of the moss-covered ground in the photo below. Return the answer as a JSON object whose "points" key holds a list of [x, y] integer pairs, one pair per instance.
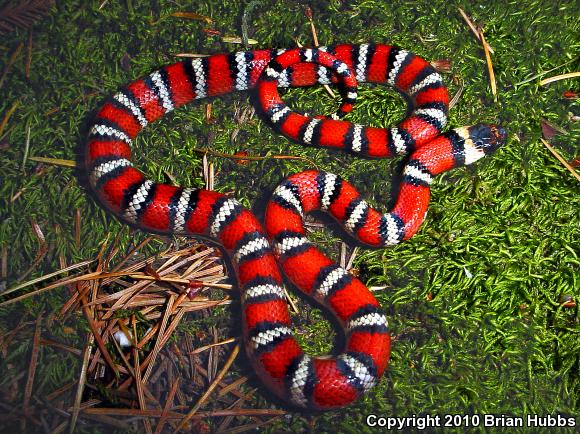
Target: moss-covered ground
{"points": [[473, 300]]}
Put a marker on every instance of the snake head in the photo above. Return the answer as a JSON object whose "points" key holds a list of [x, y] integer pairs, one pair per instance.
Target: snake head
{"points": [[487, 137], [477, 141]]}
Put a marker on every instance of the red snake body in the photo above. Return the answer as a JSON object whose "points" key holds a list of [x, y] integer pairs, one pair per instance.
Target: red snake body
{"points": [[308, 382]]}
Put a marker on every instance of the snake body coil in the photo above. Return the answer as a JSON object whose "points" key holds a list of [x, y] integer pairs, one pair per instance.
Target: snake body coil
{"points": [[315, 383]]}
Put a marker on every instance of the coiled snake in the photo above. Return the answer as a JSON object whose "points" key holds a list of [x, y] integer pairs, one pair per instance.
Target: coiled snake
{"points": [[308, 382]]}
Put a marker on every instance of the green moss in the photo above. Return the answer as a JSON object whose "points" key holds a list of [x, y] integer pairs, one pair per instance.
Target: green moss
{"points": [[472, 299]]}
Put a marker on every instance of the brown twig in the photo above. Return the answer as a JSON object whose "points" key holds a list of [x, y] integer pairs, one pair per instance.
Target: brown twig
{"points": [[253, 157], [560, 159], [139, 386], [132, 252], [232, 386], [169, 330], [191, 55], [51, 286], [43, 248], [8, 337], [351, 258], [125, 427], [310, 16], [541, 74], [26, 147], [489, 66], [208, 110], [7, 116], [208, 173], [290, 301], [77, 228], [82, 287], [237, 40], [168, 405], [100, 343], [549, 80], [207, 347], [55, 344], [138, 276], [33, 364], [123, 297], [54, 161], [78, 99], [237, 404], [4, 265], [127, 412], [157, 346], [10, 62], [81, 383], [123, 357], [342, 258], [112, 249], [13, 410], [157, 287], [212, 359], [474, 29], [56, 393], [28, 56], [457, 95], [188, 15], [210, 389], [17, 194], [23, 14], [47, 276]]}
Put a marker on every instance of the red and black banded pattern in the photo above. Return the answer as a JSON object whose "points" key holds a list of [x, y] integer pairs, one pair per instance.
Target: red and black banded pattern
{"points": [[273, 76], [316, 383], [315, 190], [407, 72], [329, 382]]}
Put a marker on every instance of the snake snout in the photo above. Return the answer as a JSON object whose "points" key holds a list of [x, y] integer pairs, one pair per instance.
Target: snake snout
{"points": [[488, 137], [499, 135]]}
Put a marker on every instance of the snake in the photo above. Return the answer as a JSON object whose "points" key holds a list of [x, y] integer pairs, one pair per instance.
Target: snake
{"points": [[262, 256]]}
